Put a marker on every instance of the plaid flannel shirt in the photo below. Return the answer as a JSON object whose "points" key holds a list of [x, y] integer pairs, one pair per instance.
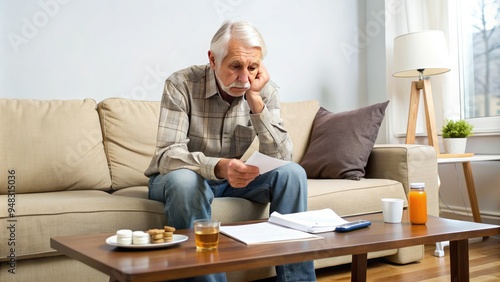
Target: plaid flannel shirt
{"points": [[197, 127]]}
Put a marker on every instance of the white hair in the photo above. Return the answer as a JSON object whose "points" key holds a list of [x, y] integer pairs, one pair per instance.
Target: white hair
{"points": [[240, 30]]}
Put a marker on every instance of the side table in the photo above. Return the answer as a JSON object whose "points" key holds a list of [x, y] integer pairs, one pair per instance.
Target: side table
{"points": [[471, 187], [469, 179]]}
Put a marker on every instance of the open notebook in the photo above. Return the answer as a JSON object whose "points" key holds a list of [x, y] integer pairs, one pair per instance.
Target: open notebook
{"points": [[288, 227], [317, 221]]}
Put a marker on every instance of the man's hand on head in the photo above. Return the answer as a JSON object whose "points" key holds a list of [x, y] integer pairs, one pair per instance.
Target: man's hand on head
{"points": [[236, 172], [256, 84], [260, 80]]}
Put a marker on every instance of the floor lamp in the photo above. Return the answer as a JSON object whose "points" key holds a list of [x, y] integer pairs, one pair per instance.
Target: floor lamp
{"points": [[421, 54]]}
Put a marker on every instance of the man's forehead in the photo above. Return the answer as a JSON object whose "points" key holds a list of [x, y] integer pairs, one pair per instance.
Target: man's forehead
{"points": [[251, 60], [238, 49]]}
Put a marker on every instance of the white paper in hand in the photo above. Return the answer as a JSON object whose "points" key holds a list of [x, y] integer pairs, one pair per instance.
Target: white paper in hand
{"points": [[264, 163]]}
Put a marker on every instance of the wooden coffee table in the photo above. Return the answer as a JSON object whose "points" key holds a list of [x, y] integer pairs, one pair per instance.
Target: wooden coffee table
{"points": [[182, 260]]}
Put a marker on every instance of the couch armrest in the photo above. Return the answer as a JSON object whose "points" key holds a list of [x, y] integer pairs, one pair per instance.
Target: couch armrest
{"points": [[406, 164]]}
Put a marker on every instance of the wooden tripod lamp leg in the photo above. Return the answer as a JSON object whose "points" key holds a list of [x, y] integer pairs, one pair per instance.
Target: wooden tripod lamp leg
{"points": [[412, 113], [430, 115]]}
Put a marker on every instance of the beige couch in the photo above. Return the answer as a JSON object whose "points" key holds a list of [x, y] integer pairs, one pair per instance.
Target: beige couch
{"points": [[76, 167]]}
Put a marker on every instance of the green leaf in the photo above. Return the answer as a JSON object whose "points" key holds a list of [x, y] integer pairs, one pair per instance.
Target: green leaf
{"points": [[456, 129]]}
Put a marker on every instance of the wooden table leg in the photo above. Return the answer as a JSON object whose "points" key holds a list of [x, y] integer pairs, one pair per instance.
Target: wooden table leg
{"points": [[358, 267], [459, 260], [471, 189]]}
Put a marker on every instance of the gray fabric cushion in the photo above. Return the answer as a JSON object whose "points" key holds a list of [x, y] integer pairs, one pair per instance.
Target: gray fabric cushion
{"points": [[341, 142]]}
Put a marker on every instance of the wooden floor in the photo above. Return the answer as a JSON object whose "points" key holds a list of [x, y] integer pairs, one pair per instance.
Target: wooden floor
{"points": [[484, 263]]}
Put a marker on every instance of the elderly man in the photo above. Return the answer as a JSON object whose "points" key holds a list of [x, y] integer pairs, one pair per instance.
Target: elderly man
{"points": [[210, 114]]}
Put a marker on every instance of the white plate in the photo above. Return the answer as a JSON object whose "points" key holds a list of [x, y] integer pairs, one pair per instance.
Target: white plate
{"points": [[177, 238]]}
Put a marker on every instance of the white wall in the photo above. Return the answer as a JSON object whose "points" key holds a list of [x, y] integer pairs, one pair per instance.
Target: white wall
{"points": [[376, 18], [55, 49]]}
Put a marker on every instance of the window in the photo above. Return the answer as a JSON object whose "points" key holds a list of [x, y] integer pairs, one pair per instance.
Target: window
{"points": [[480, 64]]}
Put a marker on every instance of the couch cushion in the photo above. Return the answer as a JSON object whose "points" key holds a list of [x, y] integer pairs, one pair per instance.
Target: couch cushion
{"points": [[52, 145], [54, 269], [347, 197], [40, 216], [129, 130], [341, 143], [298, 118]]}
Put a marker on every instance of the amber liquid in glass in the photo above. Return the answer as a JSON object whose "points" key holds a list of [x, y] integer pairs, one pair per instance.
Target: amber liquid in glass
{"points": [[207, 238]]}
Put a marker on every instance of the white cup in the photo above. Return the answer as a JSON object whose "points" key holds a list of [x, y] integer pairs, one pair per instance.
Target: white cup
{"points": [[392, 210]]}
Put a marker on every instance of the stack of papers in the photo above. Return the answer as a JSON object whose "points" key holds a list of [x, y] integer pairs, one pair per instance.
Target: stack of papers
{"points": [[288, 227]]}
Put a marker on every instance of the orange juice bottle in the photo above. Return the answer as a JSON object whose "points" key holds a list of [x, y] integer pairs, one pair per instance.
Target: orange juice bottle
{"points": [[417, 203]]}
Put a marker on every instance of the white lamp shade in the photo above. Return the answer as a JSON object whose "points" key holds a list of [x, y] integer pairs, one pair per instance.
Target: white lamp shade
{"points": [[423, 50]]}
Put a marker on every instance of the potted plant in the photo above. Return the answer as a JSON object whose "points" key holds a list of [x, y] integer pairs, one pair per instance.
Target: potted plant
{"points": [[455, 135]]}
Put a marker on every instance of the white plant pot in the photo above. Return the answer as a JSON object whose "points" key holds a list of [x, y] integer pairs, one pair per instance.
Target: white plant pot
{"points": [[454, 145]]}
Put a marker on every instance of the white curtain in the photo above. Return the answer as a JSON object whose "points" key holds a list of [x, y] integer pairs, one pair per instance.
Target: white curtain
{"points": [[411, 16]]}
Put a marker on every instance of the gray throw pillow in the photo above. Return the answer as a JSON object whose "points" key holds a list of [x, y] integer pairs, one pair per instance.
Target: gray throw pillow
{"points": [[341, 143]]}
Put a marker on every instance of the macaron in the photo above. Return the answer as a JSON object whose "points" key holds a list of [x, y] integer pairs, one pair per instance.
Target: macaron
{"points": [[124, 236], [140, 238]]}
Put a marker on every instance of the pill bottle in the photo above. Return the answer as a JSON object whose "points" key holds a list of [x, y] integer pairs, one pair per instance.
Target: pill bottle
{"points": [[417, 203]]}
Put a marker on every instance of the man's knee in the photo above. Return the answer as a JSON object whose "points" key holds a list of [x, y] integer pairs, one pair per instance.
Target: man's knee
{"points": [[184, 181], [183, 178], [293, 170], [179, 183]]}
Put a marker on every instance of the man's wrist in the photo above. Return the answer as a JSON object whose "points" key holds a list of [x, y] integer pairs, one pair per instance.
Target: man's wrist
{"points": [[220, 169], [254, 101]]}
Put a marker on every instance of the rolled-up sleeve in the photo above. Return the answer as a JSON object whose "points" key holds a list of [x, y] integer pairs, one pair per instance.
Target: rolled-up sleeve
{"points": [[274, 140]]}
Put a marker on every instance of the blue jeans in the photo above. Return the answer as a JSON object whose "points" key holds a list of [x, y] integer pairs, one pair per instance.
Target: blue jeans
{"points": [[188, 196]]}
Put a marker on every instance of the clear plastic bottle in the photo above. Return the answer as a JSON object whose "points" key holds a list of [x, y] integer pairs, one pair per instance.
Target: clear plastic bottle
{"points": [[417, 203]]}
